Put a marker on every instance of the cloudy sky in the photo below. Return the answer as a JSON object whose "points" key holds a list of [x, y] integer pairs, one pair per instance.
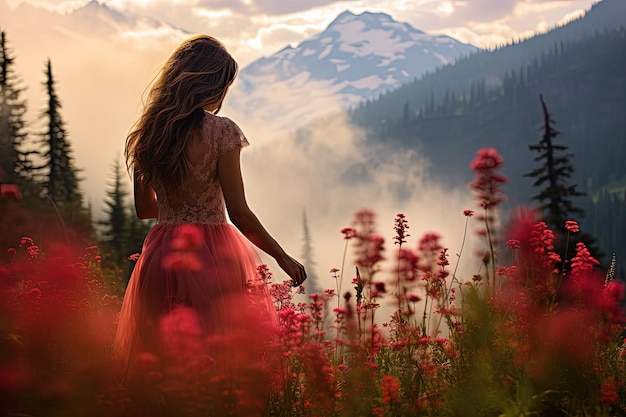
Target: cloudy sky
{"points": [[253, 28]]}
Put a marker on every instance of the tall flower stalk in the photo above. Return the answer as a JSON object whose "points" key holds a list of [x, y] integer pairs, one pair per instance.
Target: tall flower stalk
{"points": [[487, 188]]}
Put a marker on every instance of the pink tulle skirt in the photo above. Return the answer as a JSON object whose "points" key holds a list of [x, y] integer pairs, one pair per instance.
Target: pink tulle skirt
{"points": [[210, 268]]}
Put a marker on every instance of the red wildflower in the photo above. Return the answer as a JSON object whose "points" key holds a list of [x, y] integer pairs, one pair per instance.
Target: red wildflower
{"points": [[187, 237], [348, 233], [33, 251], [400, 226], [608, 391], [583, 262], [264, 273], [182, 261], [26, 241], [610, 302], [429, 244], [487, 181], [407, 264], [340, 310], [513, 243], [468, 213], [542, 242], [370, 251], [390, 388], [571, 226]]}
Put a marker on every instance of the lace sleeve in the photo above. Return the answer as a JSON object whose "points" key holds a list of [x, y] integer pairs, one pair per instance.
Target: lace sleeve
{"points": [[232, 137]]}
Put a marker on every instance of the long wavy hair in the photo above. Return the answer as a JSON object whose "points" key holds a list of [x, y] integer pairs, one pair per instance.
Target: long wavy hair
{"points": [[196, 75]]}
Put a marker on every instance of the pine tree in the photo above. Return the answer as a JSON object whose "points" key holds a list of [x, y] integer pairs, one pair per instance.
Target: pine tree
{"points": [[61, 176], [116, 224], [307, 258], [556, 196], [14, 161], [554, 174]]}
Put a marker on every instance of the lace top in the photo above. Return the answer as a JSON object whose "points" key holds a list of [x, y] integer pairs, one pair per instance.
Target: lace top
{"points": [[199, 199]]}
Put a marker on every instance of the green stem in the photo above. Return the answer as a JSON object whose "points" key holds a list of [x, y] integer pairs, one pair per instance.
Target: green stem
{"points": [[562, 273]]}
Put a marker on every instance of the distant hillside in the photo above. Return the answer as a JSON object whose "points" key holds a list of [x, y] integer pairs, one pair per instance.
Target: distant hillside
{"points": [[491, 66], [583, 82]]}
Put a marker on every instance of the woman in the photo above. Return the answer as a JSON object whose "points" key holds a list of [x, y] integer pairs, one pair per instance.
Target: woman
{"points": [[186, 164]]}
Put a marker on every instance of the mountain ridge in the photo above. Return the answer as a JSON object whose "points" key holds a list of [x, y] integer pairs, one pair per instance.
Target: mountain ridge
{"points": [[356, 58]]}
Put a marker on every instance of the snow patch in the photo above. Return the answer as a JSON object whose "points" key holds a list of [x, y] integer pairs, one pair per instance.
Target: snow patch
{"points": [[372, 82], [325, 52], [441, 58]]}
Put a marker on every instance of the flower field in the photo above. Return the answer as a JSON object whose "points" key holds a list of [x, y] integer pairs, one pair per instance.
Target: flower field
{"points": [[531, 333]]}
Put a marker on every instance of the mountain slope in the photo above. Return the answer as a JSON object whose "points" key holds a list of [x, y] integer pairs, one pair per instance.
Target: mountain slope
{"points": [[357, 58], [491, 66], [584, 85]]}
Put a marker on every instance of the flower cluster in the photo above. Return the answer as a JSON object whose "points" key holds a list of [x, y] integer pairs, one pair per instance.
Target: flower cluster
{"points": [[184, 245]]}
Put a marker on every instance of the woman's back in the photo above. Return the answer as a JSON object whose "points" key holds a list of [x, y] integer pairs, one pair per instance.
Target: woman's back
{"points": [[199, 198]]}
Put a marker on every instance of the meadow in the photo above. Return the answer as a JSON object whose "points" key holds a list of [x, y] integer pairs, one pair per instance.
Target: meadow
{"points": [[531, 333]]}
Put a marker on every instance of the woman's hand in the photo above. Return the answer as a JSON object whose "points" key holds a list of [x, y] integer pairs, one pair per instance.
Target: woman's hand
{"points": [[293, 268]]}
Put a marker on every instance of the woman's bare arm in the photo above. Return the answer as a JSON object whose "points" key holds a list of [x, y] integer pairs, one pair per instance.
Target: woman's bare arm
{"points": [[145, 200], [229, 171]]}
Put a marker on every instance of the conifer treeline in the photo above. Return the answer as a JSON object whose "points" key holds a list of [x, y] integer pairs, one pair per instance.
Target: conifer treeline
{"points": [[38, 157]]}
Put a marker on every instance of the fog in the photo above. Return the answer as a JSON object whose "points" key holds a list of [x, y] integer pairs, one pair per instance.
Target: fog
{"points": [[331, 175]]}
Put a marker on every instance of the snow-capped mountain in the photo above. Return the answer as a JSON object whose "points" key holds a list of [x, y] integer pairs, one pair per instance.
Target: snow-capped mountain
{"points": [[358, 57]]}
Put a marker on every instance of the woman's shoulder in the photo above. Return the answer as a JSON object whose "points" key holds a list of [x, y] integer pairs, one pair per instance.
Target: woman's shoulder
{"points": [[225, 128], [223, 122]]}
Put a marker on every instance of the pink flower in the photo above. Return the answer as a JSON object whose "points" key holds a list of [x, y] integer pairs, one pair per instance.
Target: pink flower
{"points": [[400, 226], [348, 233], [187, 237], [610, 302], [390, 388], [608, 391], [182, 261], [33, 251], [134, 257], [371, 251], [329, 293], [340, 310], [583, 262], [571, 226], [429, 244], [513, 243], [487, 183], [264, 273], [26, 241]]}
